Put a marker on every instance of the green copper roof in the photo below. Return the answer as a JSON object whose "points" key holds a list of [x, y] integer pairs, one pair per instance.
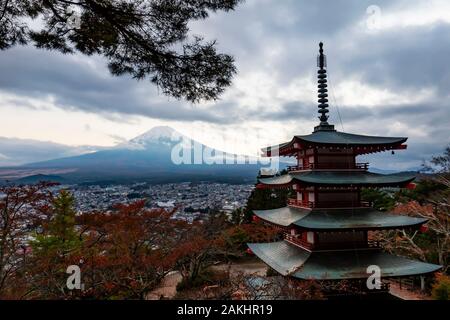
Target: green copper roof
{"points": [[332, 137], [277, 180], [338, 219], [281, 256], [353, 265], [338, 178], [282, 216], [336, 137], [292, 260]]}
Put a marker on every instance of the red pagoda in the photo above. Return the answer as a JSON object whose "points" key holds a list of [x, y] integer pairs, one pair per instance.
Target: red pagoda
{"points": [[326, 227]]}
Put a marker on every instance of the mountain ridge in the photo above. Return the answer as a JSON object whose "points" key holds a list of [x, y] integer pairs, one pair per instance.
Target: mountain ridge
{"points": [[153, 154]]}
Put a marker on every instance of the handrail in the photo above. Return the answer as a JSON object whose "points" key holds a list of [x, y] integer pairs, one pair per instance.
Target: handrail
{"points": [[300, 203], [330, 165], [297, 240], [328, 204], [370, 244]]}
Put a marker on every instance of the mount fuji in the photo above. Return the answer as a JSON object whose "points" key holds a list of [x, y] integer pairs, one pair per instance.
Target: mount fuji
{"points": [[159, 155]]}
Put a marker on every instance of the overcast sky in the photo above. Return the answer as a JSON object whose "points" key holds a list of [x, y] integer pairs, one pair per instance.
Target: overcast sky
{"points": [[388, 69]]}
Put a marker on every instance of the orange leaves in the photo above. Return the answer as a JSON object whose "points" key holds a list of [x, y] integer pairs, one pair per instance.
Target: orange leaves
{"points": [[130, 250], [253, 232], [22, 208], [414, 208], [235, 238], [441, 287]]}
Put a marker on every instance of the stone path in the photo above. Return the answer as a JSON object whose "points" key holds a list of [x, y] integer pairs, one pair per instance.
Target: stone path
{"points": [[169, 284], [168, 287], [406, 294]]}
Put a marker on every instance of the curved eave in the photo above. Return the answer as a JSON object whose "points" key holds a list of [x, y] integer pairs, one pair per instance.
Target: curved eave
{"points": [[282, 217], [288, 259], [280, 256], [333, 178], [353, 265], [361, 219], [282, 149], [337, 138], [363, 144], [361, 227], [337, 219], [362, 179], [284, 180]]}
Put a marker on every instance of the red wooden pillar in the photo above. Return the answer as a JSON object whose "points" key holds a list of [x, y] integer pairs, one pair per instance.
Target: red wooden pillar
{"points": [[358, 191], [316, 164]]}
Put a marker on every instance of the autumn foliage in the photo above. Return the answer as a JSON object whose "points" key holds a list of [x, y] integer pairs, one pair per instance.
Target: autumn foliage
{"points": [[432, 242], [124, 253], [21, 210], [441, 287]]}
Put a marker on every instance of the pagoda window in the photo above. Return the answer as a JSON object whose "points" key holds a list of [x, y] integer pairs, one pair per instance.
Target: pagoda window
{"points": [[305, 162], [331, 239], [311, 196], [299, 159], [310, 237], [341, 199], [336, 161]]}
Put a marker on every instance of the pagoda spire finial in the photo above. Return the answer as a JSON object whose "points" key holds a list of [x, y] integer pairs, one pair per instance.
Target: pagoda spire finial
{"points": [[322, 91]]}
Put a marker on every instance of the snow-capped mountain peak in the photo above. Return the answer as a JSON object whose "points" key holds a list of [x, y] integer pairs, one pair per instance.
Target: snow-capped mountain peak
{"points": [[155, 134]]}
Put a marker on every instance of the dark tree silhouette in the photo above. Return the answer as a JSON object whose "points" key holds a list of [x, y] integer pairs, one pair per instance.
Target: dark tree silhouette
{"points": [[144, 38], [264, 199]]}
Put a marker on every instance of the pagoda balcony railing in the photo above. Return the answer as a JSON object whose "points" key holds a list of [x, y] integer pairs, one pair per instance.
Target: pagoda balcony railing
{"points": [[343, 204], [328, 204], [331, 165], [300, 203], [370, 244], [374, 244], [296, 239]]}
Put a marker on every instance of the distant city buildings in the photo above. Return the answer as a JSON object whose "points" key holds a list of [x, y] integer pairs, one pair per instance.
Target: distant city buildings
{"points": [[191, 201]]}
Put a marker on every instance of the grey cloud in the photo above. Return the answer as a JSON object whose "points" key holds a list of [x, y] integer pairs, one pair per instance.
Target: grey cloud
{"points": [[15, 151], [411, 58], [290, 110], [35, 73], [400, 60]]}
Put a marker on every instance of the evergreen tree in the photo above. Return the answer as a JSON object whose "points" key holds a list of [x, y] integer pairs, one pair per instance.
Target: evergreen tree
{"points": [[238, 216], [264, 199], [137, 37], [59, 234], [56, 247], [380, 199]]}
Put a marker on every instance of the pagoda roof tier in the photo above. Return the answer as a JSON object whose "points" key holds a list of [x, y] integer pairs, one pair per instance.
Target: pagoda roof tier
{"points": [[339, 178], [327, 138], [292, 260], [284, 216], [338, 219]]}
